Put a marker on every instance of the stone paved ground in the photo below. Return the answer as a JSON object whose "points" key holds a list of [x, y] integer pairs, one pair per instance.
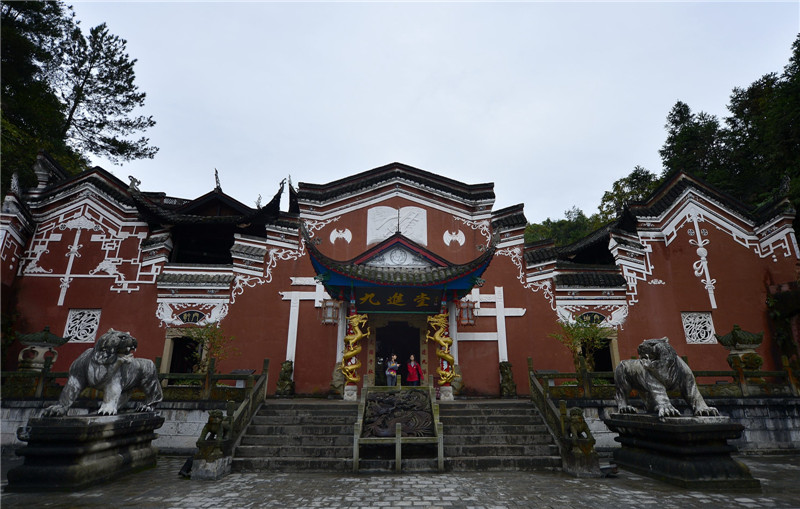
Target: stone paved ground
{"points": [[162, 487]]}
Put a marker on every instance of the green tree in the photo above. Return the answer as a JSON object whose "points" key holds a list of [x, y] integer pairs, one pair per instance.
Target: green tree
{"points": [[694, 144], [97, 89], [32, 115], [582, 337], [635, 187], [69, 94], [212, 343], [573, 227]]}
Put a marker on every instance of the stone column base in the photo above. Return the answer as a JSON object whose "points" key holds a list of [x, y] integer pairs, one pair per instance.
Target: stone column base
{"points": [[72, 453], [692, 452], [213, 469], [350, 393], [446, 393]]}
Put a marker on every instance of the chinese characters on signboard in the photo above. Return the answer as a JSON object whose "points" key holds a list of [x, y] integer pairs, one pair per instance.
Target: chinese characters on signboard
{"points": [[413, 300]]}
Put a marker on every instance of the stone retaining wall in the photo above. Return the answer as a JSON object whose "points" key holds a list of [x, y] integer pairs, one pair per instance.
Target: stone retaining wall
{"points": [[183, 422], [771, 425]]}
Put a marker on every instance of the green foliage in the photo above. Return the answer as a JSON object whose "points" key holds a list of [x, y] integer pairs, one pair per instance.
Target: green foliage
{"points": [[635, 187], [755, 154], [213, 343], [573, 227], [582, 337], [69, 94]]}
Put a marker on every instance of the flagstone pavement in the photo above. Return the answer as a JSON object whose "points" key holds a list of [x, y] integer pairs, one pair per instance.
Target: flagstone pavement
{"points": [[161, 487]]}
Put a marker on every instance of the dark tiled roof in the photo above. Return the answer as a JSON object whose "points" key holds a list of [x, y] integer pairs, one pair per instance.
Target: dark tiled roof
{"points": [[601, 235], [591, 280], [245, 251], [154, 240], [509, 217], [542, 254], [183, 279], [376, 176], [156, 213], [666, 194], [577, 274], [399, 275]]}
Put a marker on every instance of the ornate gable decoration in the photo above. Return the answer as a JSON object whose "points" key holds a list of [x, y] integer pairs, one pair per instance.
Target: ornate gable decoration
{"points": [[399, 256]]}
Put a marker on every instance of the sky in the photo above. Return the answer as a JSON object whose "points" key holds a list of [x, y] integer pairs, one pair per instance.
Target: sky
{"points": [[552, 102]]}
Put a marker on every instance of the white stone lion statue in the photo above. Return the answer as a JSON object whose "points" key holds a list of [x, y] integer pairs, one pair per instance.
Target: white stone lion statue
{"points": [[658, 370], [110, 367]]}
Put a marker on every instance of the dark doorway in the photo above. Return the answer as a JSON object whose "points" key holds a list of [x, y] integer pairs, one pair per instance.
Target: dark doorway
{"points": [[602, 358], [396, 338], [183, 355]]}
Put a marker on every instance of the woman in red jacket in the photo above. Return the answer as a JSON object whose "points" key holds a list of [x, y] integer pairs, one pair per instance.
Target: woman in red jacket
{"points": [[414, 372]]}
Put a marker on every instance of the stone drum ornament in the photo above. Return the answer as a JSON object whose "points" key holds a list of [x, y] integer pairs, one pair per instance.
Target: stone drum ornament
{"points": [[110, 367]]}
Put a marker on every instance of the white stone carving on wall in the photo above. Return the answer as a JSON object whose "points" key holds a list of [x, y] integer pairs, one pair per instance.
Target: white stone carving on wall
{"points": [[483, 227], [344, 234], [546, 286], [95, 228], [615, 314], [398, 256], [699, 328], [82, 325], [167, 312], [456, 236], [701, 266], [383, 222]]}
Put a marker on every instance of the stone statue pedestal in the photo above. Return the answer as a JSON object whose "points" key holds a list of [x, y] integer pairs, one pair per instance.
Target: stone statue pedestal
{"points": [[446, 393], [692, 452], [350, 393], [71, 453]]}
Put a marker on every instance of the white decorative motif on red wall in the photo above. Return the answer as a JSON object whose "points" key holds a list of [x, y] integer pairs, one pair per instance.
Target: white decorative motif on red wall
{"points": [[483, 227], [383, 222], [456, 236], [82, 325], [214, 312], [699, 328], [546, 286], [97, 230]]}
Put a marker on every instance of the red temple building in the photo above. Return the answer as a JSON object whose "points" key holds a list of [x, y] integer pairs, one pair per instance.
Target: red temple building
{"points": [[86, 253]]}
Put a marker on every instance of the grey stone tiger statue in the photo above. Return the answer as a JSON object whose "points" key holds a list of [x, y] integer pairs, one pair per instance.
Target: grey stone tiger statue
{"points": [[658, 370], [110, 367]]}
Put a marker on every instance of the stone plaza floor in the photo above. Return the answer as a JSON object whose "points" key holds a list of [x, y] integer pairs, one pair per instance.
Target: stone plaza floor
{"points": [[162, 487]]}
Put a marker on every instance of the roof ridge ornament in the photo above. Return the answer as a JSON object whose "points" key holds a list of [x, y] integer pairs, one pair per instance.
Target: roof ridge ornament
{"points": [[218, 187]]}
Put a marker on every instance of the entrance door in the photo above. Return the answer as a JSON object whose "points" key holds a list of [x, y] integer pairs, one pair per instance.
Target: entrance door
{"points": [[396, 338]]}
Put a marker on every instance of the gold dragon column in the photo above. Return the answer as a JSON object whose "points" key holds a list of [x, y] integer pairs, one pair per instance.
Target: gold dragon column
{"points": [[441, 336], [352, 347]]}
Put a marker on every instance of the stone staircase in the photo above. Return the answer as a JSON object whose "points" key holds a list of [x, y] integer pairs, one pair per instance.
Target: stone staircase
{"points": [[294, 435], [496, 435]]}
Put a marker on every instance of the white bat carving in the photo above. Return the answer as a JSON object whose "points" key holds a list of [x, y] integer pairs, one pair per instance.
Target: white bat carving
{"points": [[458, 236], [341, 234]]}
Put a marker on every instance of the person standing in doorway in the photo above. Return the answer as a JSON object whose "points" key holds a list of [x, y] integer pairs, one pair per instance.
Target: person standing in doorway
{"points": [[414, 372], [391, 371]]}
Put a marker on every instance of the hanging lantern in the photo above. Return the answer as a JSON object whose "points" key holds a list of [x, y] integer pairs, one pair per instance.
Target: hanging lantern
{"points": [[329, 312], [466, 312]]}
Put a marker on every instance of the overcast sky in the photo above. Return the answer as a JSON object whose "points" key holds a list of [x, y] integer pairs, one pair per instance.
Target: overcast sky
{"points": [[552, 102]]}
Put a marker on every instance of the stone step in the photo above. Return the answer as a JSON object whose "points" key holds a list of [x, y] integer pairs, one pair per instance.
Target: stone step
{"points": [[300, 440], [467, 420], [321, 429], [273, 420], [278, 451], [526, 439], [379, 466], [509, 463], [495, 429], [292, 464], [479, 450], [486, 404], [454, 411]]}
